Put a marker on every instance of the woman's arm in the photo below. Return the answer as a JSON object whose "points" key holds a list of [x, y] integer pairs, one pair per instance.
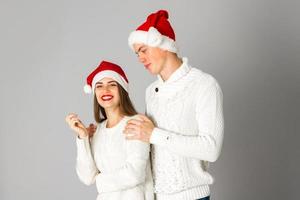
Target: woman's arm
{"points": [[85, 165]]}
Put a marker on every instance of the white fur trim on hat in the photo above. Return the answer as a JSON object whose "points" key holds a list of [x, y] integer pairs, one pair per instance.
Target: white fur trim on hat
{"points": [[109, 74], [152, 38]]}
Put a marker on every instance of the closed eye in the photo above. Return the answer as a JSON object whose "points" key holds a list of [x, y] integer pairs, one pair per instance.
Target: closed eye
{"points": [[143, 50]]}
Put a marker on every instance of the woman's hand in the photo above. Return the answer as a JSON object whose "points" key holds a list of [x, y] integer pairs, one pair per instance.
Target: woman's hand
{"points": [[76, 125]]}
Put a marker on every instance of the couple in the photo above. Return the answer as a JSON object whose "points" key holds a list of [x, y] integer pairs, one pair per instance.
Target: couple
{"points": [[183, 124]]}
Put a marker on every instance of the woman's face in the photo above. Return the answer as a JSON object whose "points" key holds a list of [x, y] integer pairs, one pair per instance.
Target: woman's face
{"points": [[107, 93]]}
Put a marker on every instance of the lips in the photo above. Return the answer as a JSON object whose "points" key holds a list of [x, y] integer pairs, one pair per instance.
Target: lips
{"points": [[107, 97], [147, 65]]}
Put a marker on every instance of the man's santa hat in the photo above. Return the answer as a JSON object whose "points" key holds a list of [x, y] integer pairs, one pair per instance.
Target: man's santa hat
{"points": [[106, 70], [156, 31]]}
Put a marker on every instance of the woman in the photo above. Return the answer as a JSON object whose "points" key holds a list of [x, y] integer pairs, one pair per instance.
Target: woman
{"points": [[119, 167]]}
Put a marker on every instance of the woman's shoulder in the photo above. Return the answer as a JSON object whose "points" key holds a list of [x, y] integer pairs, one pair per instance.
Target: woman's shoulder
{"points": [[100, 125], [127, 118]]}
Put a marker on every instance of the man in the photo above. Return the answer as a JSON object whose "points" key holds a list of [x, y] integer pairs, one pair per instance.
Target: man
{"points": [[185, 116]]}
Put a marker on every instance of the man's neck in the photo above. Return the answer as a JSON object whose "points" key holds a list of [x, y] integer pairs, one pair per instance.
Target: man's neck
{"points": [[173, 62]]}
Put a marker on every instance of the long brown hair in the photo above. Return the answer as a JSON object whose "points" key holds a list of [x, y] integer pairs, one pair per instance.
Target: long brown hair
{"points": [[126, 106]]}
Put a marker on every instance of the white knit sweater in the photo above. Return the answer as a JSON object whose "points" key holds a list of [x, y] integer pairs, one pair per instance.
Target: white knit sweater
{"points": [[187, 110], [120, 167]]}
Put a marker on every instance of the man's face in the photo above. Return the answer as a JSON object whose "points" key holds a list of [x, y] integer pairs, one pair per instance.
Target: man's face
{"points": [[153, 58]]}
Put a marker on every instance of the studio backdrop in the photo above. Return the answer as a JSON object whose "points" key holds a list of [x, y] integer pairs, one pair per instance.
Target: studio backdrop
{"points": [[49, 47]]}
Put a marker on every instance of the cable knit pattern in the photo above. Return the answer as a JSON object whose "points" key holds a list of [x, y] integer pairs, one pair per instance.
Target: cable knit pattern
{"points": [[187, 111], [120, 167]]}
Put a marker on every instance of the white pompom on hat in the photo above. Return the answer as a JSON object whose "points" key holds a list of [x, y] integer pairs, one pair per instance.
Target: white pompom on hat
{"points": [[156, 31]]}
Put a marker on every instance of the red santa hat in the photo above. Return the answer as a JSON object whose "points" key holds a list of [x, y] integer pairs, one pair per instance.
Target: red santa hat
{"points": [[106, 70], [156, 31]]}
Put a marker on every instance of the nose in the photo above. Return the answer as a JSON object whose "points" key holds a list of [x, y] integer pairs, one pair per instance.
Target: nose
{"points": [[105, 89], [142, 58]]}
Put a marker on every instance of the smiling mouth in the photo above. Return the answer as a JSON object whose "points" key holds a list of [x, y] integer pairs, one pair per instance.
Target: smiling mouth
{"points": [[107, 97]]}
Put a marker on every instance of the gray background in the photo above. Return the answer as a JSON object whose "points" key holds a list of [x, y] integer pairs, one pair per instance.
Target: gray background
{"points": [[49, 47]]}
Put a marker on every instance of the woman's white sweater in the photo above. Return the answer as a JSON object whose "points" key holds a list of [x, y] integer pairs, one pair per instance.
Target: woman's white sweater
{"points": [[187, 111], [120, 167]]}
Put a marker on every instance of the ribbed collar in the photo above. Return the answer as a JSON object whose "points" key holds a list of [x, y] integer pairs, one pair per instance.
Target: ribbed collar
{"points": [[179, 73]]}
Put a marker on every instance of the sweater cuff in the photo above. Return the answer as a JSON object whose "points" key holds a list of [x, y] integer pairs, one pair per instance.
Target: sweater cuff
{"points": [[160, 137]]}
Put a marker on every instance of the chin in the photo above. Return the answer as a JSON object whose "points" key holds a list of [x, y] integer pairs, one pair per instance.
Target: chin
{"points": [[153, 72], [105, 105], [109, 105]]}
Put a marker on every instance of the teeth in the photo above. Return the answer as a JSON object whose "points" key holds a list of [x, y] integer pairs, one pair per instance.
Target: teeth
{"points": [[107, 97]]}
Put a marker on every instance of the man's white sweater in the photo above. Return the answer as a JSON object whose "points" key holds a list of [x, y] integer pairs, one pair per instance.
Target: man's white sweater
{"points": [[187, 111]]}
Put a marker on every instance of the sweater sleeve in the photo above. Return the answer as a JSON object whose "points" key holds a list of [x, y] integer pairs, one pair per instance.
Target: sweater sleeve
{"points": [[206, 145], [85, 165], [131, 174]]}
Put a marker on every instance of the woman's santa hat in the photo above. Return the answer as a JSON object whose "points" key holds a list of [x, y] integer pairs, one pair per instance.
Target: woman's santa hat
{"points": [[155, 32], [106, 70]]}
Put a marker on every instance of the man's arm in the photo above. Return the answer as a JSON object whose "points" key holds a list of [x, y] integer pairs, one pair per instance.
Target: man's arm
{"points": [[206, 145]]}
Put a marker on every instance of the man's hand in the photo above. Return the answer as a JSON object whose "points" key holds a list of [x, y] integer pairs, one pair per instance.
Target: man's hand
{"points": [[91, 130], [139, 129]]}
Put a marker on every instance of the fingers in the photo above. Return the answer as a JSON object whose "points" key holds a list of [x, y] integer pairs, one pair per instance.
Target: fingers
{"points": [[76, 122], [132, 129], [136, 135], [136, 122], [91, 129], [70, 116], [143, 117], [73, 121], [132, 135], [139, 129], [92, 126], [133, 126]]}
